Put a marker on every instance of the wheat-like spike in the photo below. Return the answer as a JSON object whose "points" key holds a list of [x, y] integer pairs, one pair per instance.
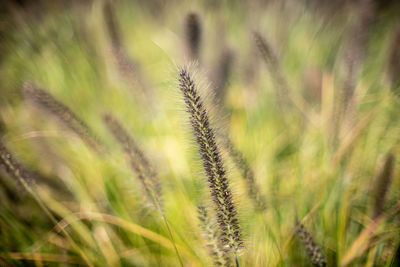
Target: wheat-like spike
{"points": [[193, 35], [313, 251], [382, 184], [212, 164], [63, 113], [12, 167], [212, 236], [138, 161], [253, 191]]}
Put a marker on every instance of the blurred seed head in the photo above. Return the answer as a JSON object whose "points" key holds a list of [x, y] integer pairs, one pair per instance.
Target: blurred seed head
{"points": [[394, 61], [138, 161], [313, 251], [193, 34], [211, 234], [13, 167], [63, 113]]}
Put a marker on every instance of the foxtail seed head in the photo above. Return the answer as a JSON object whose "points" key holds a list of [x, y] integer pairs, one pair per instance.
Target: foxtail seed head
{"points": [[212, 163], [313, 251], [63, 113], [138, 161]]}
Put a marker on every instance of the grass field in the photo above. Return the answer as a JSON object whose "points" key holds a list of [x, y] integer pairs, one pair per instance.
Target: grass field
{"points": [[191, 134]]}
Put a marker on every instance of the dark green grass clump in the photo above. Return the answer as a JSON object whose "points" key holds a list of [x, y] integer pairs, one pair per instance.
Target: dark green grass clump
{"points": [[212, 163]]}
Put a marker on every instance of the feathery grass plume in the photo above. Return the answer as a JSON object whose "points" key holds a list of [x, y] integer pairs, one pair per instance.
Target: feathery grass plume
{"points": [[192, 32], [138, 161], [12, 167], [253, 191], [221, 74], [143, 169], [356, 50], [313, 251], [127, 67], [394, 62], [63, 113], [111, 24], [212, 163], [211, 234], [382, 184], [272, 62]]}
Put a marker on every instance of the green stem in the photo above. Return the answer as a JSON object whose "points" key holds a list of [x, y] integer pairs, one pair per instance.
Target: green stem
{"points": [[172, 240]]}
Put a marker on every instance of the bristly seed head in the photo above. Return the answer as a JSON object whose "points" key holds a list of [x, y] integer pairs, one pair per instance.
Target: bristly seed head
{"points": [[138, 161], [212, 237], [253, 191], [313, 251], [212, 164], [12, 167], [63, 113]]}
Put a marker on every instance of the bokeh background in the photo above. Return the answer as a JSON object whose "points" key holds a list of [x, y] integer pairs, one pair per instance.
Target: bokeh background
{"points": [[303, 97]]}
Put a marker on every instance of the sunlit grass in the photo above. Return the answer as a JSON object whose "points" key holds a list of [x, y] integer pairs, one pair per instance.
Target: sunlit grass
{"points": [[308, 167]]}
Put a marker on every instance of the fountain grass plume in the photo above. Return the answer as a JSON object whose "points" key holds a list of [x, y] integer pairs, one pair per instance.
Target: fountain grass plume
{"points": [[12, 167], [314, 253], [218, 183], [192, 33], [63, 113], [211, 235], [138, 161], [272, 63], [253, 191], [127, 67], [143, 169]]}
